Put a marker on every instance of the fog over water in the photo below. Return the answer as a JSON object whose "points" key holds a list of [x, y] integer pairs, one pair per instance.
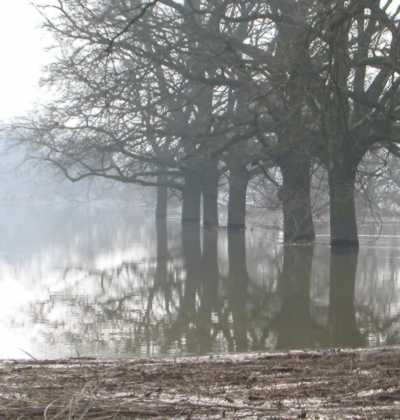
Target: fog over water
{"points": [[106, 281], [254, 133]]}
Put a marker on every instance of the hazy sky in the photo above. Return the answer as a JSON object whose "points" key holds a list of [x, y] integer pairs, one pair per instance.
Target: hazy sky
{"points": [[22, 56]]}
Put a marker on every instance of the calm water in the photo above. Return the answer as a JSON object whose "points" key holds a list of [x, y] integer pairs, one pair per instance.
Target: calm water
{"points": [[110, 283]]}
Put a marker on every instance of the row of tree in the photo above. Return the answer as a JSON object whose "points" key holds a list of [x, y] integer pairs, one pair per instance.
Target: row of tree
{"points": [[175, 94]]}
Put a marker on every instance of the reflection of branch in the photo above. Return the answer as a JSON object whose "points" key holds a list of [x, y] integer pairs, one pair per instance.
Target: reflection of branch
{"points": [[380, 325]]}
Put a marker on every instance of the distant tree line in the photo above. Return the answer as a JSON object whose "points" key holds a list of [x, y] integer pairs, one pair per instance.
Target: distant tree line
{"points": [[176, 94]]}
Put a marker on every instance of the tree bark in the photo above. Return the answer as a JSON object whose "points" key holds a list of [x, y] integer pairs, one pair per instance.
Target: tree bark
{"points": [[238, 181], [295, 195], [343, 220], [210, 195], [191, 198]]}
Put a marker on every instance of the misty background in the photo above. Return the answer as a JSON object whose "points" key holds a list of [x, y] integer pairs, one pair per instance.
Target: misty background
{"points": [[232, 216]]}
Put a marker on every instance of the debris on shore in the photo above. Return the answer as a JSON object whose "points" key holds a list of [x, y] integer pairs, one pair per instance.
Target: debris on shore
{"points": [[352, 384]]}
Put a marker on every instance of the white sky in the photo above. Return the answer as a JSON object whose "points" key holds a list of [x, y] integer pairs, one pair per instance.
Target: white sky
{"points": [[22, 57], [22, 52]]}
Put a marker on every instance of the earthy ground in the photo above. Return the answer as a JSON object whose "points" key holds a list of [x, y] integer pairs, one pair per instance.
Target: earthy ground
{"points": [[333, 384]]}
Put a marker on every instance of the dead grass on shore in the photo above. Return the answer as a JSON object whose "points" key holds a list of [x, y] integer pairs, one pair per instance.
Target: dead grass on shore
{"points": [[360, 384]]}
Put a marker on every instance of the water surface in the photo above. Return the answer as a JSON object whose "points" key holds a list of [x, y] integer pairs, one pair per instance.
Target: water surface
{"points": [[87, 281]]}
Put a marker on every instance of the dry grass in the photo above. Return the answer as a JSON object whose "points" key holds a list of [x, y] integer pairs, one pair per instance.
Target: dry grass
{"points": [[337, 384]]}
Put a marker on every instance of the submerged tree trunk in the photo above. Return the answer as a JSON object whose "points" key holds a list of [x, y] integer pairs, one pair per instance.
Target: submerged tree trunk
{"points": [[343, 220], [238, 181], [210, 194], [162, 198], [295, 195], [191, 198]]}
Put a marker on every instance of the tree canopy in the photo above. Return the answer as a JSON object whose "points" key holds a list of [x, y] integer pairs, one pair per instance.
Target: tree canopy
{"points": [[177, 93]]}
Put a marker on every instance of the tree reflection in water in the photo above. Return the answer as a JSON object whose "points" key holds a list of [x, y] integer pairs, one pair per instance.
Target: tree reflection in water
{"points": [[294, 324], [343, 329], [181, 300], [237, 288]]}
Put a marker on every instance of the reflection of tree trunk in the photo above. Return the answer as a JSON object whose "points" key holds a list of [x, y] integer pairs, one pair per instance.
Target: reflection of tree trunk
{"points": [[296, 199], [342, 206], [294, 324], [162, 198], [237, 287], [191, 198], [162, 250], [210, 273], [238, 180], [161, 275], [210, 194], [191, 251], [342, 318], [209, 292]]}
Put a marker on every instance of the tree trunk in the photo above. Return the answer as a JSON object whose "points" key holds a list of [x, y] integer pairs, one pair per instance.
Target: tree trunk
{"points": [[342, 206], [162, 199], [191, 198], [238, 181], [210, 195], [295, 195]]}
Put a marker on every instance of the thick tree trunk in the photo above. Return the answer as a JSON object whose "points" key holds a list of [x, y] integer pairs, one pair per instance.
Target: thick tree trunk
{"points": [[343, 329], [162, 199], [210, 195], [295, 194], [238, 181], [343, 220], [191, 198]]}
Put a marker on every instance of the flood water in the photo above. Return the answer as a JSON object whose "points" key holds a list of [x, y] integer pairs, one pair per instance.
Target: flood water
{"points": [[84, 281]]}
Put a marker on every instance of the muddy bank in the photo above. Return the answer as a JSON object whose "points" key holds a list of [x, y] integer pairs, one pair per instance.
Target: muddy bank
{"points": [[330, 384]]}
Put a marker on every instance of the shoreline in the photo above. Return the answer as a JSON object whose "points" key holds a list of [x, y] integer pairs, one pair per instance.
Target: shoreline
{"points": [[339, 383]]}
